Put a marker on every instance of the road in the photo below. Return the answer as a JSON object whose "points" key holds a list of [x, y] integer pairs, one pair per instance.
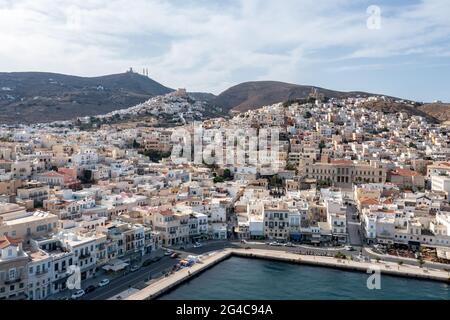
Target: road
{"points": [[156, 269], [353, 227], [131, 279], [139, 278]]}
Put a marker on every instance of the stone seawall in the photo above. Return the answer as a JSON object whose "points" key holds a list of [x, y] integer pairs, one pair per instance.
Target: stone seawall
{"points": [[162, 286]]}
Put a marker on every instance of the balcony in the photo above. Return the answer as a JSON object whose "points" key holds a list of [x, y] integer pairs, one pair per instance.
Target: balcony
{"points": [[41, 272], [85, 255], [12, 281]]}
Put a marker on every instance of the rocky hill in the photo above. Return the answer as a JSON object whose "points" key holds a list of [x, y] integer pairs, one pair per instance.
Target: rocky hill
{"points": [[251, 95], [394, 106], [440, 111], [30, 97]]}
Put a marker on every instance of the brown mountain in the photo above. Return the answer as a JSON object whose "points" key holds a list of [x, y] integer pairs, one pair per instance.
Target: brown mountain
{"points": [[30, 97], [251, 95], [440, 111], [393, 106]]}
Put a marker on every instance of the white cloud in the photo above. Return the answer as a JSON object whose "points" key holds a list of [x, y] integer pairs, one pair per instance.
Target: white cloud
{"points": [[207, 46]]}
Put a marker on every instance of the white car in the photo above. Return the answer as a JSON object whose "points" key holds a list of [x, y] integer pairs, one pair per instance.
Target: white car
{"points": [[197, 245], [78, 294], [276, 244], [134, 268], [168, 252], [349, 248], [103, 283]]}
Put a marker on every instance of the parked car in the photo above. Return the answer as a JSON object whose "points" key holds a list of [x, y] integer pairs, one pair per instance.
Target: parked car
{"points": [[134, 268], [197, 245], [103, 282], [90, 289], [349, 248], [78, 294], [276, 244], [288, 244], [175, 255], [243, 241], [168, 252]]}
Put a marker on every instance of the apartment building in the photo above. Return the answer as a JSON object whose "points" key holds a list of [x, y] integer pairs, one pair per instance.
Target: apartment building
{"points": [[34, 191], [26, 225], [13, 269], [173, 227], [276, 223], [343, 173]]}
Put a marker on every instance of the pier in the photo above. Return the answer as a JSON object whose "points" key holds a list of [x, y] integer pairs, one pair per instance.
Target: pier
{"points": [[391, 268]]}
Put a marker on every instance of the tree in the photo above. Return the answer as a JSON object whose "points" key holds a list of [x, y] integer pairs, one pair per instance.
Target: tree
{"points": [[227, 174], [136, 145], [218, 179], [290, 166], [321, 145]]}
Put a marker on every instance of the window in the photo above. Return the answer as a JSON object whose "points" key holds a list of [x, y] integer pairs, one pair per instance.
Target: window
{"points": [[12, 274]]}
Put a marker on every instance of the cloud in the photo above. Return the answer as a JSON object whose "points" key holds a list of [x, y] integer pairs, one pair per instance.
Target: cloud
{"points": [[209, 46]]}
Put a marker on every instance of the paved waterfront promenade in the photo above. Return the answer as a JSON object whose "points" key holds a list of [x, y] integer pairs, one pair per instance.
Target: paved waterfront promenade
{"points": [[160, 287]]}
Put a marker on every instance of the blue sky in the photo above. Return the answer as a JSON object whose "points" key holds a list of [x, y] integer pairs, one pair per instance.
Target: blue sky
{"points": [[207, 45]]}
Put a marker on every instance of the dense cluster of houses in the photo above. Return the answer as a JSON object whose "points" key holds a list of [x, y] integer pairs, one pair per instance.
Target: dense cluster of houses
{"points": [[90, 198]]}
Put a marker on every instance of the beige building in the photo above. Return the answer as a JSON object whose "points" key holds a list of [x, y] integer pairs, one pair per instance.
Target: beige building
{"points": [[16, 222], [13, 269], [407, 178], [276, 223], [173, 227], [343, 173], [34, 191]]}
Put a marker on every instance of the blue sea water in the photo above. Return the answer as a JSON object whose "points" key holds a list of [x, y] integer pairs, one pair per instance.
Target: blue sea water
{"points": [[241, 278]]}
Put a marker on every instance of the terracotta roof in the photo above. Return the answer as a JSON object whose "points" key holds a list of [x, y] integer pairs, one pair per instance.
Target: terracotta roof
{"points": [[51, 174], [6, 241], [405, 173], [341, 161], [368, 201], [166, 212]]}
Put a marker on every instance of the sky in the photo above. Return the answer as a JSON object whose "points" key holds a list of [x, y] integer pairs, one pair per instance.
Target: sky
{"points": [[399, 48]]}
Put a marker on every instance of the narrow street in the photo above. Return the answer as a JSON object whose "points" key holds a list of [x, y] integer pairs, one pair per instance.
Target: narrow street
{"points": [[353, 227]]}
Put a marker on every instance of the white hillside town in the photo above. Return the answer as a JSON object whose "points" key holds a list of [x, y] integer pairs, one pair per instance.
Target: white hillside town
{"points": [[321, 173]]}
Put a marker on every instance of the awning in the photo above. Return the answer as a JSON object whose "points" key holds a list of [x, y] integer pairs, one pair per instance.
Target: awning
{"points": [[115, 266]]}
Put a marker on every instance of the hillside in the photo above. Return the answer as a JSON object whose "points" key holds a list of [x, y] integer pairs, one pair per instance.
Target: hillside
{"points": [[393, 107], [440, 111], [250, 95], [30, 97]]}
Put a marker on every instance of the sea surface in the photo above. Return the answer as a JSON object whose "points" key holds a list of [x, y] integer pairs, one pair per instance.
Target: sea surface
{"points": [[242, 278]]}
